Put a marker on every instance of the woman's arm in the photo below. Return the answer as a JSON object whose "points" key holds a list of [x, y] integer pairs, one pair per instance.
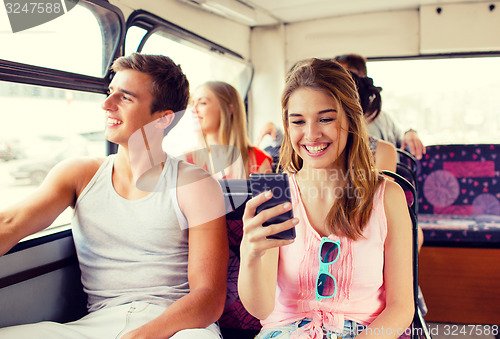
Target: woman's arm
{"points": [[398, 277], [386, 156], [266, 167], [259, 256]]}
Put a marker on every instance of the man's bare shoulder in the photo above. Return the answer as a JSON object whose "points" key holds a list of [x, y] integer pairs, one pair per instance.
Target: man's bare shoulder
{"points": [[76, 172], [81, 165], [195, 181], [189, 173], [200, 196]]}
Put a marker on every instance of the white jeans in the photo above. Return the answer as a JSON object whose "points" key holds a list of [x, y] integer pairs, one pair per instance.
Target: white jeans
{"points": [[108, 323]]}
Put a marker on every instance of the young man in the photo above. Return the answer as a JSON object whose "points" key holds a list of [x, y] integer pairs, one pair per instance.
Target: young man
{"points": [[153, 260]]}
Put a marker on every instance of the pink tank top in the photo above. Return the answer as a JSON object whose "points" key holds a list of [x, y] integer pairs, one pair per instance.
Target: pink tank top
{"points": [[359, 273]]}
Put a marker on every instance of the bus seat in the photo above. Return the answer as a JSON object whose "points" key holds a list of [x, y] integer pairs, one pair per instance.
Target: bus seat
{"points": [[40, 281], [459, 213], [419, 324], [460, 194], [408, 166], [274, 152], [235, 321]]}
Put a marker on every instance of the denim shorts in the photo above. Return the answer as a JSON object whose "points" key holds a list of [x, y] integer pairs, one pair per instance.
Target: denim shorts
{"points": [[351, 330]]}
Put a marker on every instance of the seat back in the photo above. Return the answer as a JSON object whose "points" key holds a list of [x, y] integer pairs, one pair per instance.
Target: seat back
{"points": [[460, 180], [409, 163], [235, 321], [418, 320]]}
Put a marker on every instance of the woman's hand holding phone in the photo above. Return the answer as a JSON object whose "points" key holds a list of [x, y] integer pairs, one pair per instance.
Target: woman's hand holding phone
{"points": [[256, 241]]}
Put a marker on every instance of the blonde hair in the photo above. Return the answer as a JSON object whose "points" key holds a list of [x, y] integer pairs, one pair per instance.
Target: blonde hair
{"points": [[233, 120], [350, 212]]}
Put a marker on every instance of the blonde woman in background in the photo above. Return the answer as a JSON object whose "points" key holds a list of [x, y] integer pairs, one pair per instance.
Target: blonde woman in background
{"points": [[219, 110]]}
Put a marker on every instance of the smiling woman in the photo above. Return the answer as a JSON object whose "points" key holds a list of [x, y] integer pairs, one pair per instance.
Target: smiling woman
{"points": [[326, 153], [318, 127]]}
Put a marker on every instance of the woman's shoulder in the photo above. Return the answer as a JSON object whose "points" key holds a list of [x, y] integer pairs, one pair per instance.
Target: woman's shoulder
{"points": [[393, 191], [260, 154], [394, 197], [257, 161]]}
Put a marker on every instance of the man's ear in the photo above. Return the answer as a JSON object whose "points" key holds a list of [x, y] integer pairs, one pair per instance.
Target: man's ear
{"points": [[165, 120]]}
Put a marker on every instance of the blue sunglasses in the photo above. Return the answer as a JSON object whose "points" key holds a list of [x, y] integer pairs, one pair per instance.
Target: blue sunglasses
{"points": [[329, 252]]}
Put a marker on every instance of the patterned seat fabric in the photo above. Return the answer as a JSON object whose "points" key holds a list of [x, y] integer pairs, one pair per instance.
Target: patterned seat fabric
{"points": [[235, 316], [459, 198]]}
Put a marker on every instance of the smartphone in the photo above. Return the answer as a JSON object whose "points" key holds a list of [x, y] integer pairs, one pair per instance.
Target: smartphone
{"points": [[279, 185]]}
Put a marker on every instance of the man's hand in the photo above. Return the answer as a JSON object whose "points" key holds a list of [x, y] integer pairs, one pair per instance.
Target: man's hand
{"points": [[135, 334], [412, 140]]}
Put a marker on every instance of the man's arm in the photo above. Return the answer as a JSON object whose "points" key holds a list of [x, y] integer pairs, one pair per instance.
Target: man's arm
{"points": [[412, 140], [43, 206], [408, 139], [201, 201]]}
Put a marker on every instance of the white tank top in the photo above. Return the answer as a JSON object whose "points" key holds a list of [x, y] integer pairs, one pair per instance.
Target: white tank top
{"points": [[131, 250]]}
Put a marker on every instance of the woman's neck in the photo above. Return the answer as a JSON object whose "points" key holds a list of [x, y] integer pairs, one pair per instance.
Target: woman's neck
{"points": [[332, 177], [212, 139]]}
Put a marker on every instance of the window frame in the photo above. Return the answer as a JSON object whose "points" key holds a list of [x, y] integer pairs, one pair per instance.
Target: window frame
{"points": [[436, 56], [41, 76], [153, 24]]}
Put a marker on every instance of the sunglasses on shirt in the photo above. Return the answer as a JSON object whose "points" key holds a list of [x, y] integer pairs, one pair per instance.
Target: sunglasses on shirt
{"points": [[326, 284]]}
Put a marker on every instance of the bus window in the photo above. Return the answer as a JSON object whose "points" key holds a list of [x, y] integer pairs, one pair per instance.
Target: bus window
{"points": [[74, 42], [448, 101], [200, 64], [43, 125], [133, 39]]}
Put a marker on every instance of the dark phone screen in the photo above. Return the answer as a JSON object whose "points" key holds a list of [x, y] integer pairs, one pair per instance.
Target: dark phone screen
{"points": [[279, 185]]}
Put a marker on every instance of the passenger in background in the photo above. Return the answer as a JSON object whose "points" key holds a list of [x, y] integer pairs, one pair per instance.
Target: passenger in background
{"points": [[349, 268], [154, 263], [220, 111], [384, 152], [371, 102], [381, 126]]}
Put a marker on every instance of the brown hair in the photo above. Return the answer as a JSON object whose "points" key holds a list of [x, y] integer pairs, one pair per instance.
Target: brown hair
{"points": [[354, 63], [169, 85], [349, 213], [369, 96]]}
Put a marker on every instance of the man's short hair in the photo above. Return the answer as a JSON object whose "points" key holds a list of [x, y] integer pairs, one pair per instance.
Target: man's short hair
{"points": [[353, 62], [169, 85]]}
